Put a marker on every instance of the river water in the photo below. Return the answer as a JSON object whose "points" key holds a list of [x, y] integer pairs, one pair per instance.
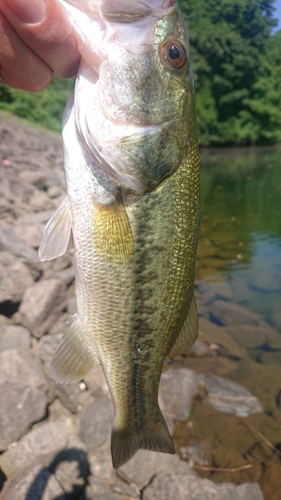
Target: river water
{"points": [[239, 263]]}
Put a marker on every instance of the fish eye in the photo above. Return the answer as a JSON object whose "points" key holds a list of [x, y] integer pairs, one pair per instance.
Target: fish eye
{"points": [[174, 53]]}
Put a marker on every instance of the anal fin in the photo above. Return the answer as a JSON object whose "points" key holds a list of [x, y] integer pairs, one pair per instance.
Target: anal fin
{"points": [[188, 333], [113, 238], [57, 232], [72, 361]]}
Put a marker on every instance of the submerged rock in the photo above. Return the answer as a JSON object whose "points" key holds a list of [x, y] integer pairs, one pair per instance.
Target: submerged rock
{"points": [[228, 397]]}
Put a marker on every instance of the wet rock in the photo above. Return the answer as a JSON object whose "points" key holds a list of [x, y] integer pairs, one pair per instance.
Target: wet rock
{"points": [[248, 335], [14, 337], [33, 483], [198, 349], [228, 313], [38, 446], [14, 278], [265, 281], [30, 233], [217, 335], [169, 486], [42, 305], [10, 242], [228, 397], [95, 422], [199, 453], [177, 388], [218, 290], [20, 406], [145, 464]]}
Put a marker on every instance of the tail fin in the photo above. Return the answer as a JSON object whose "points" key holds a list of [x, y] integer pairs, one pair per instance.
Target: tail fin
{"points": [[125, 444]]}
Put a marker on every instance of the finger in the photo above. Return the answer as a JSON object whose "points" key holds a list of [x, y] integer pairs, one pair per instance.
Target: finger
{"points": [[44, 27], [20, 67]]}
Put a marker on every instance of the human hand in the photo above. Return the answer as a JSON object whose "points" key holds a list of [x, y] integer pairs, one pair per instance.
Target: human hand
{"points": [[36, 41]]}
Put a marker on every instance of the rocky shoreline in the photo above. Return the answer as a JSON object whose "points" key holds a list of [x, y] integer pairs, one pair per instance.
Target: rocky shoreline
{"points": [[55, 438]]}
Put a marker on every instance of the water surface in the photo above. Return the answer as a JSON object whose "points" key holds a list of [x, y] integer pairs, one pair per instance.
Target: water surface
{"points": [[239, 262]]}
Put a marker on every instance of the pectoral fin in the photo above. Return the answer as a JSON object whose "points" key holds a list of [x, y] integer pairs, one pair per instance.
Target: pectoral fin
{"points": [[188, 333], [73, 360], [113, 238], [57, 232]]}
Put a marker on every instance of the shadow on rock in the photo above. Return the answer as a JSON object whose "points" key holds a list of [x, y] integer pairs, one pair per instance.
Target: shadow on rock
{"points": [[64, 479]]}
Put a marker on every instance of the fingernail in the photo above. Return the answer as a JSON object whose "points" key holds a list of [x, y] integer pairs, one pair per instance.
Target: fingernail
{"points": [[28, 11]]}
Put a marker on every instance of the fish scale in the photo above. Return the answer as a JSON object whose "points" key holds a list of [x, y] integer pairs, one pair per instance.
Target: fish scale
{"points": [[133, 209]]}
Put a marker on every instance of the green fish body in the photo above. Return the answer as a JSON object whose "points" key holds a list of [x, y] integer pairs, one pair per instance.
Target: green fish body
{"points": [[132, 206]]}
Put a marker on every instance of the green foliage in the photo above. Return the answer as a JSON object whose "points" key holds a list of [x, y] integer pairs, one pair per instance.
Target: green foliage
{"points": [[44, 108], [237, 70], [235, 61]]}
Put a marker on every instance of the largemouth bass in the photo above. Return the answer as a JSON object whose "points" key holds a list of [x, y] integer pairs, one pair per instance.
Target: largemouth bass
{"points": [[132, 206]]}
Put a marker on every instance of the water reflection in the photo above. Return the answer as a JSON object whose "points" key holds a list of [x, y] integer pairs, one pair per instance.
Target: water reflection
{"points": [[240, 239]]}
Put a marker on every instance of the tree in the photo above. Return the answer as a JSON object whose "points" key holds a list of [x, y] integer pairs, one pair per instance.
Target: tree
{"points": [[228, 41]]}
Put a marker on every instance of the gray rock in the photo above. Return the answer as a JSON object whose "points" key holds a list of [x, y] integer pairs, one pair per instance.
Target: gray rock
{"points": [[145, 464], [35, 218], [30, 233], [177, 388], [10, 242], [35, 177], [42, 305], [50, 268], [40, 201], [14, 337], [228, 397], [61, 325], [69, 395], [20, 406], [62, 416], [96, 485], [14, 278], [47, 346], [95, 422], [21, 367], [67, 276], [228, 313], [96, 382], [33, 483], [169, 486], [38, 446]]}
